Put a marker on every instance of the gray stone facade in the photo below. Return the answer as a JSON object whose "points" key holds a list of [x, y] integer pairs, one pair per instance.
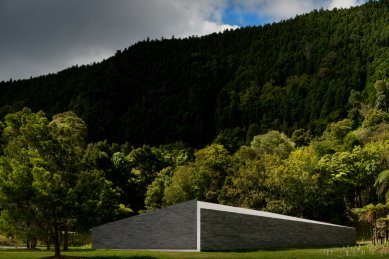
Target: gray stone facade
{"points": [[202, 226], [222, 230], [173, 227]]}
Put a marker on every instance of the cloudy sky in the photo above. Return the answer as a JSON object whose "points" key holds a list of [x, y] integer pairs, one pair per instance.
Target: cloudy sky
{"points": [[44, 36]]}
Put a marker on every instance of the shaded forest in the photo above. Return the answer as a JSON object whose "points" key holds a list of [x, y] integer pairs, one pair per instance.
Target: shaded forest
{"points": [[296, 74]]}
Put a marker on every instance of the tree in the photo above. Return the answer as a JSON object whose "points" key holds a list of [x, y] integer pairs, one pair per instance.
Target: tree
{"points": [[247, 187], [98, 199], [354, 172], [294, 184], [174, 155], [70, 132], [231, 139], [201, 179], [301, 137], [254, 130], [354, 107], [19, 230], [382, 184], [273, 142], [40, 171], [371, 214], [373, 116], [337, 131], [155, 191], [382, 93], [32, 182], [144, 164]]}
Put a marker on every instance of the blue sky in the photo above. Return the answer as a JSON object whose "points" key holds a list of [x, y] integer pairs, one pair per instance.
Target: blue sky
{"points": [[257, 12], [247, 19], [46, 36]]}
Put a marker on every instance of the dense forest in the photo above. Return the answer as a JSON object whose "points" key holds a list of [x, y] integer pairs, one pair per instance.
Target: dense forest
{"points": [[290, 75], [291, 118]]}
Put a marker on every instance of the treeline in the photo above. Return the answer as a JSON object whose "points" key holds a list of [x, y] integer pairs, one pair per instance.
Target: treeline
{"points": [[53, 182], [296, 74]]}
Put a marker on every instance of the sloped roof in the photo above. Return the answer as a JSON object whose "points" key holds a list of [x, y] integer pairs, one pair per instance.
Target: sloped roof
{"points": [[212, 206]]}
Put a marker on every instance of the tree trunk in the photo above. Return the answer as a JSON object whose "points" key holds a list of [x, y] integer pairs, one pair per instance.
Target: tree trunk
{"points": [[355, 198], [56, 242], [33, 244], [66, 239], [375, 239], [48, 243]]}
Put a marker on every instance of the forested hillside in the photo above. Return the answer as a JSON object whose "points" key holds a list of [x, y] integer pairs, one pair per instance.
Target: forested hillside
{"points": [[296, 74]]}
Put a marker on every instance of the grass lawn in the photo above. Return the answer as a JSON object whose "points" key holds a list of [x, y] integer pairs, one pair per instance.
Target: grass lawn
{"points": [[365, 251]]}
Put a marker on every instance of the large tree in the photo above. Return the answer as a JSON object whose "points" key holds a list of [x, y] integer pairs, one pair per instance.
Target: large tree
{"points": [[40, 171]]}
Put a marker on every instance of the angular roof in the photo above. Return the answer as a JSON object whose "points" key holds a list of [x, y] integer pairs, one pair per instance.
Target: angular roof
{"points": [[212, 206]]}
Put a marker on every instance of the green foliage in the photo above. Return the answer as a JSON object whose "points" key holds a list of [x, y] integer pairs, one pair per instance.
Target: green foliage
{"points": [[46, 164], [373, 215], [231, 139], [144, 164], [382, 93], [253, 130], [295, 185], [201, 179], [42, 189], [337, 131], [273, 142], [248, 186], [156, 190], [375, 117], [356, 171], [99, 201], [350, 141], [301, 137], [382, 183]]}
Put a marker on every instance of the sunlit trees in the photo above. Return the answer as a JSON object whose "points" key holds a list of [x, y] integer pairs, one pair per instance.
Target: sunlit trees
{"points": [[201, 179], [247, 187], [356, 171], [295, 187], [273, 142]]}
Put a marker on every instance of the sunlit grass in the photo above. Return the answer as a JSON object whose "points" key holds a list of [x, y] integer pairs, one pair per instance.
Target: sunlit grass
{"points": [[359, 251]]}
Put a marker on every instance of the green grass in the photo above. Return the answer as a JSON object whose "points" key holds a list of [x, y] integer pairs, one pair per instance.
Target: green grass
{"points": [[365, 251]]}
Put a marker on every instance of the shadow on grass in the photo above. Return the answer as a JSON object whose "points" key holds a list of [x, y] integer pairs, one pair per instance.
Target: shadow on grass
{"points": [[102, 257]]}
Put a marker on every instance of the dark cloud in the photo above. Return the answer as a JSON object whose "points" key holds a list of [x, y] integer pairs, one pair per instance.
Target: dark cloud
{"points": [[44, 36]]}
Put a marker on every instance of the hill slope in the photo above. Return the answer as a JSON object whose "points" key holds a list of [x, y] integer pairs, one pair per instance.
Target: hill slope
{"points": [[295, 74]]}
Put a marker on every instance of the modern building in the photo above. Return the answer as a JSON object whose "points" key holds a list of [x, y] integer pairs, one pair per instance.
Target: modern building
{"points": [[202, 226]]}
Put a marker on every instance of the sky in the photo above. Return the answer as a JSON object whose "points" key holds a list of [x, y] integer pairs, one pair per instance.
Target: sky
{"points": [[45, 36]]}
